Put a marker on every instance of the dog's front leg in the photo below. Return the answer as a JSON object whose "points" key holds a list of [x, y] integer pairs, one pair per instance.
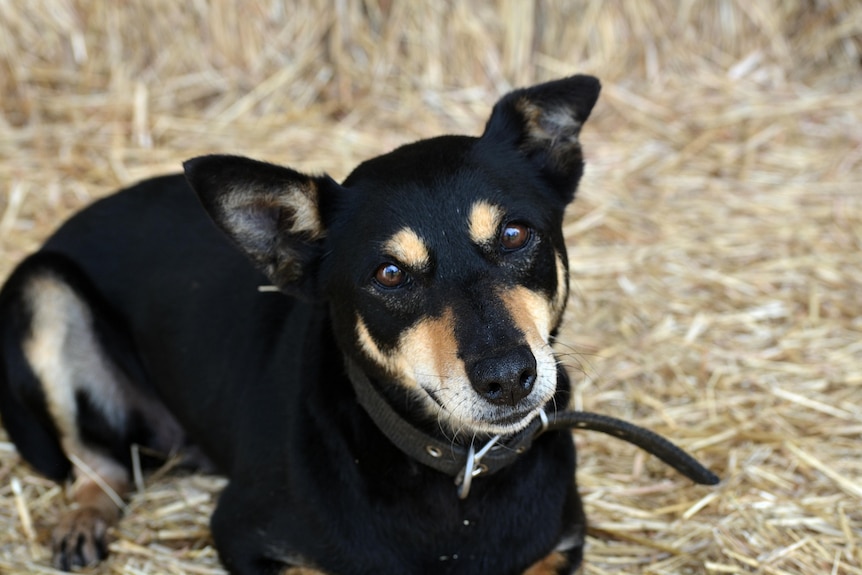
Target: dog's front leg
{"points": [[248, 538], [566, 557]]}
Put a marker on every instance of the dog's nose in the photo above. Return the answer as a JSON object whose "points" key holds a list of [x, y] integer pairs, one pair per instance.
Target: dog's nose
{"points": [[505, 380]]}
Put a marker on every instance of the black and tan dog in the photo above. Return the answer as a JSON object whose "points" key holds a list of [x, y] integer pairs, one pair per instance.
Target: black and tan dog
{"points": [[419, 300]]}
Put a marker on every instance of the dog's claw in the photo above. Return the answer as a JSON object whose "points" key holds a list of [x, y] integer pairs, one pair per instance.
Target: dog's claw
{"points": [[80, 539]]}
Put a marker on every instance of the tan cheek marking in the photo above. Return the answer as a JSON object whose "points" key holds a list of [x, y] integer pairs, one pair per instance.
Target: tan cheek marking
{"points": [[431, 346], [531, 312], [372, 350], [427, 351], [484, 221], [561, 297], [408, 248], [550, 565]]}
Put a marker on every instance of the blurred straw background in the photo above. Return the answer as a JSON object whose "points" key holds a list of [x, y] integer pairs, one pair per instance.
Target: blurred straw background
{"points": [[715, 245]]}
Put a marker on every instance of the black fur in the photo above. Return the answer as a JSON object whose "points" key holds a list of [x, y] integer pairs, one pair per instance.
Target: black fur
{"points": [[257, 380]]}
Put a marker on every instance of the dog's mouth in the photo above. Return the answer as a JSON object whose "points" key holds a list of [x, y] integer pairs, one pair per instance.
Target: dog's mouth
{"points": [[509, 423], [476, 416]]}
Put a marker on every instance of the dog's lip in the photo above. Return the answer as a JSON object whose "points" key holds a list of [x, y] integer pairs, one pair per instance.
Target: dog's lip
{"points": [[514, 418], [509, 418], [503, 420], [510, 424], [435, 399]]}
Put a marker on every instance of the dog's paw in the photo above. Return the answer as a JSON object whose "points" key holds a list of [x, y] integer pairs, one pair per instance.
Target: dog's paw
{"points": [[80, 539]]}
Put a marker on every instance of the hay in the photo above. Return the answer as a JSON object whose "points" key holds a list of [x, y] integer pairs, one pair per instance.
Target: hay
{"points": [[715, 247]]}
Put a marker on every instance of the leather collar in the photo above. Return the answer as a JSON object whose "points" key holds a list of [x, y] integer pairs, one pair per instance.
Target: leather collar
{"points": [[443, 455]]}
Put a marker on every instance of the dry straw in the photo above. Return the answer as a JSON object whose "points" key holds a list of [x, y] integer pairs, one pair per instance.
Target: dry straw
{"points": [[715, 247]]}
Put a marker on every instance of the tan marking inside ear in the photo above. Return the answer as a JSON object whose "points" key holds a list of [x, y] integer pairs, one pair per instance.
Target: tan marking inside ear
{"points": [[300, 201], [550, 565], [408, 248], [484, 222], [554, 130], [551, 126], [306, 216]]}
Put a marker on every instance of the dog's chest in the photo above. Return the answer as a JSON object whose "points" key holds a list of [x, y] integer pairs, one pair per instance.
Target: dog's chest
{"points": [[415, 523]]}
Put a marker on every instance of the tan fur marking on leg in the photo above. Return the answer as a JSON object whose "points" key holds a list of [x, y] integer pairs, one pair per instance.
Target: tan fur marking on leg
{"points": [[408, 248], [63, 344], [484, 222], [550, 565], [63, 352]]}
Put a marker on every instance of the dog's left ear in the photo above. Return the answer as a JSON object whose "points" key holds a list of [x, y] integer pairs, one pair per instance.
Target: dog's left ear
{"points": [[543, 123], [272, 213]]}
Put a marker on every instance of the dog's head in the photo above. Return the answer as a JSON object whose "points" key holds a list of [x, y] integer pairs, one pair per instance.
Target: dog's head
{"points": [[443, 262]]}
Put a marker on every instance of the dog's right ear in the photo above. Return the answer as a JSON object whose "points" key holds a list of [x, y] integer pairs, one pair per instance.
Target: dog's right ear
{"points": [[273, 213]]}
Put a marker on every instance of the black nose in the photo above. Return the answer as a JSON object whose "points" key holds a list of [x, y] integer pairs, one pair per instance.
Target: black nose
{"points": [[506, 379]]}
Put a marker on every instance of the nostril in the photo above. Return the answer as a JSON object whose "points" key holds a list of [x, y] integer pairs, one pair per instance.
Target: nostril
{"points": [[528, 378]]}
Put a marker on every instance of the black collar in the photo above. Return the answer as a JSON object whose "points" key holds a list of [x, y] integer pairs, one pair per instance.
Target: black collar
{"points": [[455, 460]]}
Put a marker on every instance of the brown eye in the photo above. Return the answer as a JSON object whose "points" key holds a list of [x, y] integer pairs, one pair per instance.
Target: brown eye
{"points": [[390, 276], [514, 236]]}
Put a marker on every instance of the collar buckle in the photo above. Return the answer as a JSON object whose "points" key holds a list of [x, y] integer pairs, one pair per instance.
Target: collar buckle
{"points": [[473, 467]]}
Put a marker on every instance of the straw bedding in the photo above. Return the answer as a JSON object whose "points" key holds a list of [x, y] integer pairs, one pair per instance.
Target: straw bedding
{"points": [[715, 245]]}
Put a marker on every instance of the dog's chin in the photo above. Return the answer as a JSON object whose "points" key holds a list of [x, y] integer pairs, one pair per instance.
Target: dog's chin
{"points": [[509, 424], [479, 417], [506, 424]]}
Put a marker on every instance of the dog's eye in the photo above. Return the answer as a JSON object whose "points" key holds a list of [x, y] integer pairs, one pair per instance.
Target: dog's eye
{"points": [[514, 236], [390, 276]]}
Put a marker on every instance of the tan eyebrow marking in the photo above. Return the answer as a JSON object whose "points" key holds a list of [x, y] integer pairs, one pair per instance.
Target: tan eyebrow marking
{"points": [[408, 248], [485, 219]]}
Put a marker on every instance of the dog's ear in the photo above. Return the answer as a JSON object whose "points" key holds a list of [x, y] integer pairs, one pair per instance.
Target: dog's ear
{"points": [[543, 123], [273, 213]]}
